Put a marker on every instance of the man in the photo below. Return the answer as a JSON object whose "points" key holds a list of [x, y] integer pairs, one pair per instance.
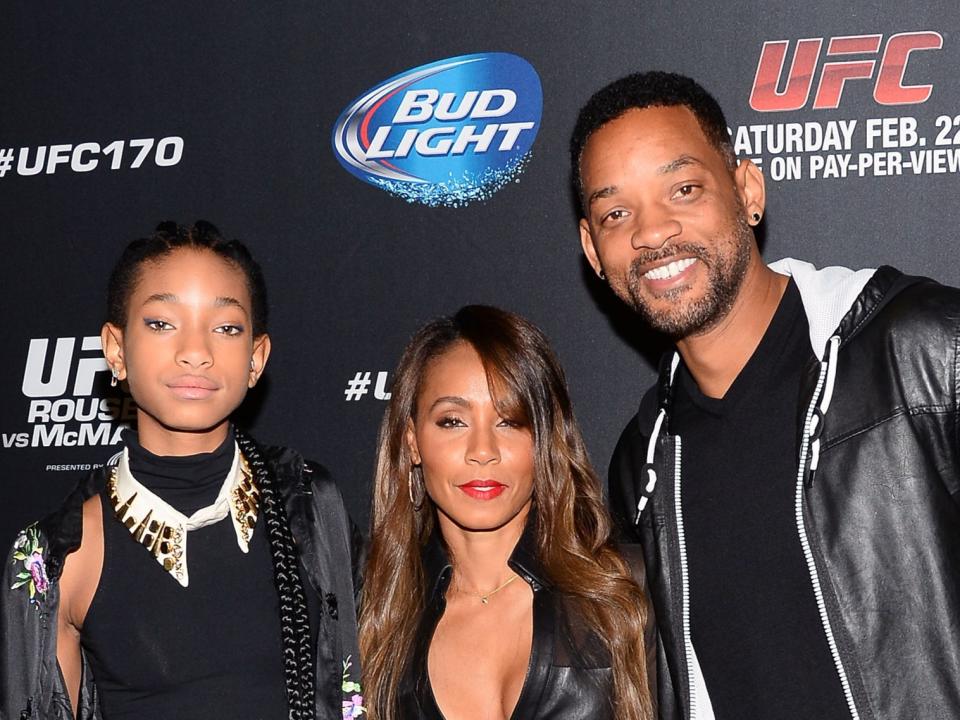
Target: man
{"points": [[793, 474]]}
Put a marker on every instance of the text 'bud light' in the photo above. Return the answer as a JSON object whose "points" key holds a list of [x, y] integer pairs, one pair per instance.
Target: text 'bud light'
{"points": [[447, 133]]}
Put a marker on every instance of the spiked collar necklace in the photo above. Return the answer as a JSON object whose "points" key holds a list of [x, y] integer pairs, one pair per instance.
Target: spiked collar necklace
{"points": [[163, 530]]}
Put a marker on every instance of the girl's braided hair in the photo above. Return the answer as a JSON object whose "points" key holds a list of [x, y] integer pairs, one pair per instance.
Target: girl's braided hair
{"points": [[298, 661]]}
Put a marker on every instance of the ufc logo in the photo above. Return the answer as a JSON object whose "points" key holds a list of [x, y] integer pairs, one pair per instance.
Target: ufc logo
{"points": [[888, 89]]}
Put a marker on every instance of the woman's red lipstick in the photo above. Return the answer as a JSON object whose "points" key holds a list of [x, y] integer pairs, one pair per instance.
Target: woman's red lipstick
{"points": [[483, 489]]}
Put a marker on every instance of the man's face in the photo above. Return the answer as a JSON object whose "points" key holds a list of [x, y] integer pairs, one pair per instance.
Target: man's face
{"points": [[665, 218]]}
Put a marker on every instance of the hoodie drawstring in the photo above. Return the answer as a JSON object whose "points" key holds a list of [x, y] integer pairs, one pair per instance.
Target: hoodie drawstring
{"points": [[647, 469], [815, 426]]}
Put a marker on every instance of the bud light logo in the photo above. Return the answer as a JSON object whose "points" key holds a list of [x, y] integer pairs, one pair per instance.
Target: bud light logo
{"points": [[447, 133]]}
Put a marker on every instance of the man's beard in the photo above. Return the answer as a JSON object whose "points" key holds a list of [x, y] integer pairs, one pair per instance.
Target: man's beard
{"points": [[726, 268]]}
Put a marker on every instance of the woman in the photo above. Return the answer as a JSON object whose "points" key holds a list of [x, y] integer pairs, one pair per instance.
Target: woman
{"points": [[106, 609], [492, 587]]}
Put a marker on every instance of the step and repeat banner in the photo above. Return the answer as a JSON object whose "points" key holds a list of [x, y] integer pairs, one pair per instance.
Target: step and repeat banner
{"points": [[388, 163]]}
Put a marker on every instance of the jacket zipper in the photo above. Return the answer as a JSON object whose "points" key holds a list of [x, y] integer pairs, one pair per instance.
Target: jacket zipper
{"points": [[808, 553], [684, 587]]}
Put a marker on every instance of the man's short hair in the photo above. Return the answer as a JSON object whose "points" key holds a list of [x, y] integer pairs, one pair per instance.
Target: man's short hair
{"points": [[643, 90]]}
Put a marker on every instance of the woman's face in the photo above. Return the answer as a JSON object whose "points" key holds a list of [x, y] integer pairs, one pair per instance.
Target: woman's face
{"points": [[478, 466]]}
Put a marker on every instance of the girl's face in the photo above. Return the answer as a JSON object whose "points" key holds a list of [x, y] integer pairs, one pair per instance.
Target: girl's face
{"points": [[187, 351], [478, 467]]}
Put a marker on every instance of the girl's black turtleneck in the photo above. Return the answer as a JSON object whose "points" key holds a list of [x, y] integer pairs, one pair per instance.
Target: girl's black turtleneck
{"points": [[212, 649], [187, 482]]}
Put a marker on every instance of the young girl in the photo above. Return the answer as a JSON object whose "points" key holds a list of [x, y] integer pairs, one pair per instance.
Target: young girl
{"points": [[198, 574]]}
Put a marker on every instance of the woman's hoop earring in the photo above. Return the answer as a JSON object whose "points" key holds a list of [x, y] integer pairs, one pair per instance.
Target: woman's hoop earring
{"points": [[415, 503]]}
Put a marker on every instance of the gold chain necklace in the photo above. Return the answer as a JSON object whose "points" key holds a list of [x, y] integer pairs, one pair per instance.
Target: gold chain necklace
{"points": [[485, 597]]}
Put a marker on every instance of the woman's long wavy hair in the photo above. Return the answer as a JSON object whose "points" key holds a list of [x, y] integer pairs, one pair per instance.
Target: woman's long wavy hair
{"points": [[573, 528]]}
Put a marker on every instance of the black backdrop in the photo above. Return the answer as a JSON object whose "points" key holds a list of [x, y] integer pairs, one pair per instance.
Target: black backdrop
{"points": [[249, 95]]}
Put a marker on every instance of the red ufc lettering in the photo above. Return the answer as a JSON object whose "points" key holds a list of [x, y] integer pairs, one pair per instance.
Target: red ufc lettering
{"points": [[888, 90]]}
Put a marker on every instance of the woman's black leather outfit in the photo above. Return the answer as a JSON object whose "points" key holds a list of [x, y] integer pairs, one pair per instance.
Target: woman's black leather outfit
{"points": [[569, 673]]}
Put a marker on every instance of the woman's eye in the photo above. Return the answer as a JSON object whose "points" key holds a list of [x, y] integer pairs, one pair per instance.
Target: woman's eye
{"points": [[450, 421], [158, 325], [229, 329], [505, 422]]}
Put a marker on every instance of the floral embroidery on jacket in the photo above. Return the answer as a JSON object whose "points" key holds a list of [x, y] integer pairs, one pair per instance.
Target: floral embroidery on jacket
{"points": [[352, 707], [27, 550]]}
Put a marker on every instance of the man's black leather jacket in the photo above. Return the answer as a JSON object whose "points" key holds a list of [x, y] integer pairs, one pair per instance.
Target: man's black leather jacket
{"points": [[31, 685], [877, 496]]}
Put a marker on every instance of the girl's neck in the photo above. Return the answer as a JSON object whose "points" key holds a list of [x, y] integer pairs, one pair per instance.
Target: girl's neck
{"points": [[164, 441], [186, 482]]}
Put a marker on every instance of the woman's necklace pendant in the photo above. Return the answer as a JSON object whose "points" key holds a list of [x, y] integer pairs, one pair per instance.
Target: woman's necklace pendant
{"points": [[485, 598]]}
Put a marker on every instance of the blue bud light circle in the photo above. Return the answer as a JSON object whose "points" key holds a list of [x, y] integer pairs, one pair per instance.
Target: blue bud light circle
{"points": [[447, 133]]}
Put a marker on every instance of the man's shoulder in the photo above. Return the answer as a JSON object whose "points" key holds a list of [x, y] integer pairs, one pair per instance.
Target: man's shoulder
{"points": [[916, 306], [927, 296]]}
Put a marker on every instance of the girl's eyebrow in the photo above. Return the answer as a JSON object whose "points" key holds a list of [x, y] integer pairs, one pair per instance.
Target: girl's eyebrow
{"points": [[162, 298], [228, 302], [171, 298]]}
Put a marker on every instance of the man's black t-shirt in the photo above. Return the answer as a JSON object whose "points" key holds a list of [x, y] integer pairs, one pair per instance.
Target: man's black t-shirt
{"points": [[753, 613]]}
